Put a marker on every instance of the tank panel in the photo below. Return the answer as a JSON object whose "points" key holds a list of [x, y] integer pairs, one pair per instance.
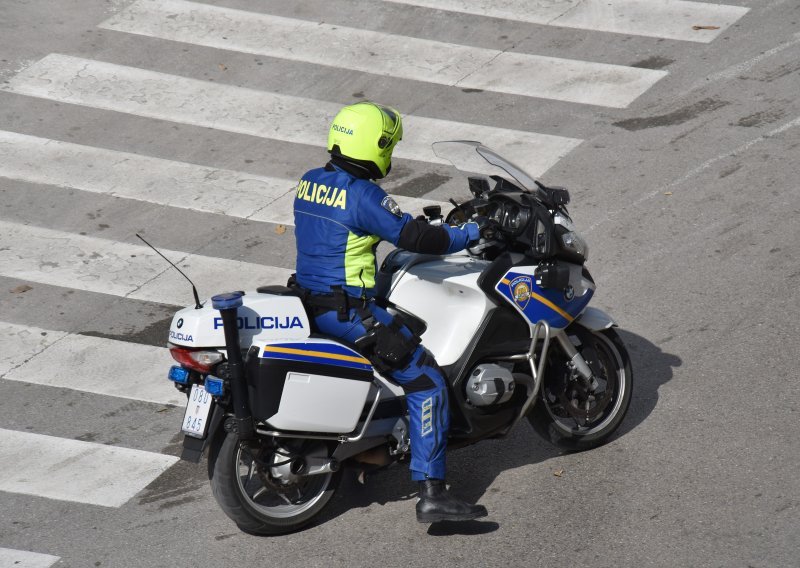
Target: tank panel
{"points": [[444, 293]]}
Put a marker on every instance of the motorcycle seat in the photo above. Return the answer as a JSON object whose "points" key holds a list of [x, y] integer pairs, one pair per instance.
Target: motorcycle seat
{"points": [[278, 290]]}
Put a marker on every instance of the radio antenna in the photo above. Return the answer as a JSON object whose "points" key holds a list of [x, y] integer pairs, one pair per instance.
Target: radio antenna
{"points": [[172, 264]]}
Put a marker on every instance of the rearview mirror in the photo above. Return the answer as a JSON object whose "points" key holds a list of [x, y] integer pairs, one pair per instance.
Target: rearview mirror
{"points": [[478, 186]]}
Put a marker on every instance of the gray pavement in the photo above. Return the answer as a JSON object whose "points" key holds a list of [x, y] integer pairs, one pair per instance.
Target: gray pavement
{"points": [[689, 199]]}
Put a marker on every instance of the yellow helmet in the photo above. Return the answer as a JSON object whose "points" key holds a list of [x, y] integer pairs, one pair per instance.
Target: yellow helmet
{"points": [[366, 134]]}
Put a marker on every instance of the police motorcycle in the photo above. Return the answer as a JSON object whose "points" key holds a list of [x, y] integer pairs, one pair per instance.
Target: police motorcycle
{"points": [[282, 409]]}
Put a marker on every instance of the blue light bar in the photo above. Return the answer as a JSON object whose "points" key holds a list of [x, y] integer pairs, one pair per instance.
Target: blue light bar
{"points": [[214, 385], [178, 375], [227, 301]]}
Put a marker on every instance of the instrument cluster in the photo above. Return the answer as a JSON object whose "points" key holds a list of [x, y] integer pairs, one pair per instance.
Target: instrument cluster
{"points": [[511, 216]]}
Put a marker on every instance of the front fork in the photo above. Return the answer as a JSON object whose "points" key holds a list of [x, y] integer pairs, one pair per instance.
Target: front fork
{"points": [[576, 362], [581, 370]]}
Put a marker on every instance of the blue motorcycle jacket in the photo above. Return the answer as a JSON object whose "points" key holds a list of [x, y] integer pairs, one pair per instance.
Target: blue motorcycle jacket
{"points": [[340, 217]]}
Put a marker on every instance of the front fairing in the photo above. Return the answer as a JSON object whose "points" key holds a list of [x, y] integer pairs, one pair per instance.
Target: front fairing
{"points": [[470, 157], [558, 307]]}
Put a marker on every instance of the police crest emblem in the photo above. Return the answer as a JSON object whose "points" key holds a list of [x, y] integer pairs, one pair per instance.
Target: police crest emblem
{"points": [[391, 206], [521, 290]]}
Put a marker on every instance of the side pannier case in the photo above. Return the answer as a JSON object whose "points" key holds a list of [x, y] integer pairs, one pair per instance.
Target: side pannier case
{"points": [[313, 385]]}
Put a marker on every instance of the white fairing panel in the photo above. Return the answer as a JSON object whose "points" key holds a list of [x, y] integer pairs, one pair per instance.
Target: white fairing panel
{"points": [[263, 316], [444, 293]]}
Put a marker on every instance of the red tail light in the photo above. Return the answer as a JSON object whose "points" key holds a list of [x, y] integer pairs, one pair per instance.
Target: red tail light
{"points": [[197, 360]]}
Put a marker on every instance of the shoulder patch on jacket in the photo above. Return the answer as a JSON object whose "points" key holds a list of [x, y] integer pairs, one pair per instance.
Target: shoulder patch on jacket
{"points": [[391, 206]]}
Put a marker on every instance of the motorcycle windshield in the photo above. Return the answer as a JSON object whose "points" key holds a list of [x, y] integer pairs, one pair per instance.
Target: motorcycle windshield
{"points": [[472, 157]]}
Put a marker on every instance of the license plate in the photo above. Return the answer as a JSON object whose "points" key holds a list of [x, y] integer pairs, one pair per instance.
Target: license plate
{"points": [[195, 420]]}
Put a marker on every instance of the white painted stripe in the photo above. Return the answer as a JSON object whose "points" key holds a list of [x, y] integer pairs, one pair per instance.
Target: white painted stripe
{"points": [[71, 470], [389, 55], [98, 265], [177, 184], [669, 19], [154, 180], [20, 343], [248, 111], [89, 364], [23, 559]]}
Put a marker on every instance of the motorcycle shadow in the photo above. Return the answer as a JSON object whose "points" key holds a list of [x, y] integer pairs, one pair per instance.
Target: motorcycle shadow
{"points": [[474, 469], [652, 367], [393, 484]]}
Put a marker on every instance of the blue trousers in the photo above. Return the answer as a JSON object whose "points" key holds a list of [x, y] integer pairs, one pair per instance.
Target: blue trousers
{"points": [[426, 393]]}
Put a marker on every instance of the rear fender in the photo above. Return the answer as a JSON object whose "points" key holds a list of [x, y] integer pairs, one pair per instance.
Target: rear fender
{"points": [[193, 447]]}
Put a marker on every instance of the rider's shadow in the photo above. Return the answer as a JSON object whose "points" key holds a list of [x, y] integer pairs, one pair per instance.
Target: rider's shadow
{"points": [[473, 469]]}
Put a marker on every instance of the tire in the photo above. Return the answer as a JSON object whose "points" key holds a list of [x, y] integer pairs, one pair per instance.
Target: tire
{"points": [[256, 501], [567, 418]]}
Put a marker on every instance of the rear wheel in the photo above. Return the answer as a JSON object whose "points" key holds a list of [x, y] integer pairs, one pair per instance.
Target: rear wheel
{"points": [[256, 487], [568, 414]]}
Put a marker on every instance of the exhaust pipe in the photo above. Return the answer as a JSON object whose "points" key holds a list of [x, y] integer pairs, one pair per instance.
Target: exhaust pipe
{"points": [[228, 304], [313, 466]]}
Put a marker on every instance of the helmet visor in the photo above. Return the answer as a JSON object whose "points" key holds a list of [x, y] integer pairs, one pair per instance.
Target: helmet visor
{"points": [[392, 128]]}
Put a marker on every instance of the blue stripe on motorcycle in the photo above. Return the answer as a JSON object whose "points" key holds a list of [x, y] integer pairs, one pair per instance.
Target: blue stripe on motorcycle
{"points": [[318, 359]]}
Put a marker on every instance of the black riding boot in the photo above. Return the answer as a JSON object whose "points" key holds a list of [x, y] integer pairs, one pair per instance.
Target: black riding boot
{"points": [[436, 504]]}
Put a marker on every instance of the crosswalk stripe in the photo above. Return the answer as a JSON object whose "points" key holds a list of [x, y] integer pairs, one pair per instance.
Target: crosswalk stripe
{"points": [[248, 111], [24, 559], [386, 54], [99, 265], [18, 343], [89, 364], [72, 470], [154, 180], [668, 19]]}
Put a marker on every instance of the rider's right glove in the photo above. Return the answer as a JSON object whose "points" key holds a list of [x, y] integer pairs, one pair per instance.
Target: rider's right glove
{"points": [[473, 231], [486, 227], [462, 236]]}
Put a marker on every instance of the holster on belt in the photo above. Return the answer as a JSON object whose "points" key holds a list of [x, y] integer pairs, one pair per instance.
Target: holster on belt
{"points": [[337, 300], [386, 346]]}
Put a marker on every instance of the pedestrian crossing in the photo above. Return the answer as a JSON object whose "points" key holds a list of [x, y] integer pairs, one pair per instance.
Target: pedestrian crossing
{"points": [[155, 180], [73, 470], [25, 559], [241, 110], [80, 471], [667, 19], [60, 258], [390, 55], [107, 367]]}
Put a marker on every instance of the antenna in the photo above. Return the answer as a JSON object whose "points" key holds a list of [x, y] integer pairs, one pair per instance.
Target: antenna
{"points": [[194, 290]]}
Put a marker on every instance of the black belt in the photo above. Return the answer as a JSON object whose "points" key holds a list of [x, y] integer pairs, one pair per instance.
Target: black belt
{"points": [[337, 300]]}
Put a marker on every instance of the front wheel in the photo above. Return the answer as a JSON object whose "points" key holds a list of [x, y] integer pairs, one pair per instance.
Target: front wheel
{"points": [[255, 483], [570, 416]]}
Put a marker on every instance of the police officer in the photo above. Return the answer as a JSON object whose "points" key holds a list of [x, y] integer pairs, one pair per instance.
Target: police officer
{"points": [[340, 217]]}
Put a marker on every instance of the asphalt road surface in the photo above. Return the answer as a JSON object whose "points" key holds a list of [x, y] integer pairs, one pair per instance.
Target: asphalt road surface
{"points": [[189, 122]]}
